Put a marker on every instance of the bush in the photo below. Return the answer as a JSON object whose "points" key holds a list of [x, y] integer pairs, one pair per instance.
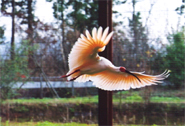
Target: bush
{"points": [[173, 58], [13, 71]]}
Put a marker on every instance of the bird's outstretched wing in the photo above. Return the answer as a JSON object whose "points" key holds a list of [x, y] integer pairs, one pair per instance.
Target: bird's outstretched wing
{"points": [[86, 48], [108, 80]]}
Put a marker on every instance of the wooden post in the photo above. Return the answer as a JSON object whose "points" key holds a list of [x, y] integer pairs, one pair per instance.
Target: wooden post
{"points": [[41, 87], [105, 97]]}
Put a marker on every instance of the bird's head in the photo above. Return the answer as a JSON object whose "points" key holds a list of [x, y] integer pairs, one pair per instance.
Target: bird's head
{"points": [[123, 69]]}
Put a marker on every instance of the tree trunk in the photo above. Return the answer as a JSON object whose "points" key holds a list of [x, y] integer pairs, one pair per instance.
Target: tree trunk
{"points": [[12, 51], [31, 63], [65, 57]]}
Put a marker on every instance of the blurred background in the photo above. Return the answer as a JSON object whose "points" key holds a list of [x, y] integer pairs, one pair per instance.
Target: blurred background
{"points": [[36, 37]]}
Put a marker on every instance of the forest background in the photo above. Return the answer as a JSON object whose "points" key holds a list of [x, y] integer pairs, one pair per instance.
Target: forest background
{"points": [[39, 47]]}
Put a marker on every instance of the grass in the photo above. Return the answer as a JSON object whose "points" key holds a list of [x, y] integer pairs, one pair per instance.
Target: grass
{"points": [[167, 99], [46, 123], [157, 96], [122, 96], [94, 99]]}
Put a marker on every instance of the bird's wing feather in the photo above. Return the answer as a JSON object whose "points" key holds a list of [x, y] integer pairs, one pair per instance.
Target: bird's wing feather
{"points": [[108, 80], [83, 78], [88, 46]]}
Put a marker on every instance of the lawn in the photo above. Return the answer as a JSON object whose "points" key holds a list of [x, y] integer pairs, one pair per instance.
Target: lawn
{"points": [[123, 96], [176, 97], [46, 123], [94, 99]]}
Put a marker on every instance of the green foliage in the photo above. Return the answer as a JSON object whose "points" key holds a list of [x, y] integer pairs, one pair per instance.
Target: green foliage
{"points": [[13, 71], [84, 13], [180, 10], [167, 99], [123, 92], [93, 99], [2, 29], [131, 97], [134, 97], [154, 125], [58, 8], [46, 123], [173, 58], [20, 109], [23, 9], [7, 123]]}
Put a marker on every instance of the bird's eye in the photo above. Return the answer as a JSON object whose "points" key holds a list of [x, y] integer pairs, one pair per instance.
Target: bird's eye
{"points": [[122, 69]]}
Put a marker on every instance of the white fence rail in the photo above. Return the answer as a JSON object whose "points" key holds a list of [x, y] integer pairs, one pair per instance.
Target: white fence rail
{"points": [[54, 84]]}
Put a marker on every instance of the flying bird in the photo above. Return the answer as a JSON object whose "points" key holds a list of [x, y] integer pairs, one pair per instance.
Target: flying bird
{"points": [[85, 64]]}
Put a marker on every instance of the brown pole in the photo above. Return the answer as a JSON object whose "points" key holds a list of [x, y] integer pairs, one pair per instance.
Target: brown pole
{"points": [[105, 97]]}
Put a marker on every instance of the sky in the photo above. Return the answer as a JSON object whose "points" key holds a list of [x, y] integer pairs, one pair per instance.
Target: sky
{"points": [[161, 20]]}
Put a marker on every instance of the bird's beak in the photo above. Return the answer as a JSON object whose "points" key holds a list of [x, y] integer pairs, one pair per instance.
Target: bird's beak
{"points": [[132, 75]]}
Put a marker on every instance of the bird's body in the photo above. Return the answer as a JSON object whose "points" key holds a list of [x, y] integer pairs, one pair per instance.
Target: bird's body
{"points": [[85, 64]]}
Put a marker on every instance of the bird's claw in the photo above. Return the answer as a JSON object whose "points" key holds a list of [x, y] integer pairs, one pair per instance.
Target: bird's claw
{"points": [[63, 76]]}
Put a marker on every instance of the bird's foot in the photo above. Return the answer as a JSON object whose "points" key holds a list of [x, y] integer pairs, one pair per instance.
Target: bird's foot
{"points": [[69, 74], [63, 76], [74, 78]]}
